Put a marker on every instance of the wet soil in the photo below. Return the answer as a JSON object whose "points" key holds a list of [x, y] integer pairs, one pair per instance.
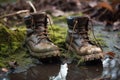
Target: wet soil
{"points": [[89, 72], [110, 38]]}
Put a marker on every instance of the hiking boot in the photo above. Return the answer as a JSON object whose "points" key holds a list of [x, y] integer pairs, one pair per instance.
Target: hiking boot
{"points": [[77, 39], [37, 40]]}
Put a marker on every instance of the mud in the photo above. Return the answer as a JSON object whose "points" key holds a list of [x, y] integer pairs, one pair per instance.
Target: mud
{"points": [[43, 72]]}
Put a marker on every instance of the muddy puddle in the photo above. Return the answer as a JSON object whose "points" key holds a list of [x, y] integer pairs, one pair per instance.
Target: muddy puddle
{"points": [[89, 72], [43, 72]]}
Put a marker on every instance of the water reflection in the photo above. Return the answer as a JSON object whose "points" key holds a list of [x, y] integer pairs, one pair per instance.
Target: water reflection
{"points": [[44, 71], [62, 73]]}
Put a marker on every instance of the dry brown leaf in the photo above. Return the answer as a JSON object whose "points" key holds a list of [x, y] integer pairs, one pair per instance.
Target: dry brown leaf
{"points": [[111, 54], [105, 5]]}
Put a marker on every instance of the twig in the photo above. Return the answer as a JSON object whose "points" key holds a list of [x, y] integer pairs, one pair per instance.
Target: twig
{"points": [[117, 47], [86, 10], [33, 7], [2, 22], [102, 13], [12, 14]]}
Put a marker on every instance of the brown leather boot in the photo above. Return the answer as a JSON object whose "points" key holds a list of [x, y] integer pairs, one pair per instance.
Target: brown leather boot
{"points": [[77, 39], [37, 40]]}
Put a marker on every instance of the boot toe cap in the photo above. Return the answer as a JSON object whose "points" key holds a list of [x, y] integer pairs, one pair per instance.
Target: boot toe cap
{"points": [[43, 49]]}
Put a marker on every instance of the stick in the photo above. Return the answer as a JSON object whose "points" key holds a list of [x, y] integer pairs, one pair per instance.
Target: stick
{"points": [[12, 14], [102, 13], [33, 7], [117, 47]]}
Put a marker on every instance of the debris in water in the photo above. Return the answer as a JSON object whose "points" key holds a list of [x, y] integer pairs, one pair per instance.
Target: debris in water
{"points": [[62, 74], [111, 67], [4, 74]]}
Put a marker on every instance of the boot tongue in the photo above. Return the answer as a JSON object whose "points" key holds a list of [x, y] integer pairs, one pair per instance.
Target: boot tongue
{"points": [[39, 19], [82, 22]]}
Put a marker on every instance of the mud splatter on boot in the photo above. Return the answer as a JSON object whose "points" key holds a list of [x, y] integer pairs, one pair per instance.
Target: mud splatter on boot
{"points": [[37, 40], [77, 39]]}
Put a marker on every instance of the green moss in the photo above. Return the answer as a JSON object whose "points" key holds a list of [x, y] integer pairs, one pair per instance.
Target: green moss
{"points": [[59, 19], [99, 41], [58, 34], [10, 39], [77, 14], [119, 34], [10, 44]]}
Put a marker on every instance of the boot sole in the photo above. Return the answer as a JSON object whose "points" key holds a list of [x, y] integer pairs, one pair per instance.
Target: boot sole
{"points": [[53, 53], [88, 57]]}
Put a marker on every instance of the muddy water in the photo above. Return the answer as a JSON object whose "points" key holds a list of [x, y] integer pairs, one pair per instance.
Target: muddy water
{"points": [[43, 72], [110, 38]]}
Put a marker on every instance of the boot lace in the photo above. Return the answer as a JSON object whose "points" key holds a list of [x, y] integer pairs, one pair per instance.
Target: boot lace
{"points": [[41, 29]]}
